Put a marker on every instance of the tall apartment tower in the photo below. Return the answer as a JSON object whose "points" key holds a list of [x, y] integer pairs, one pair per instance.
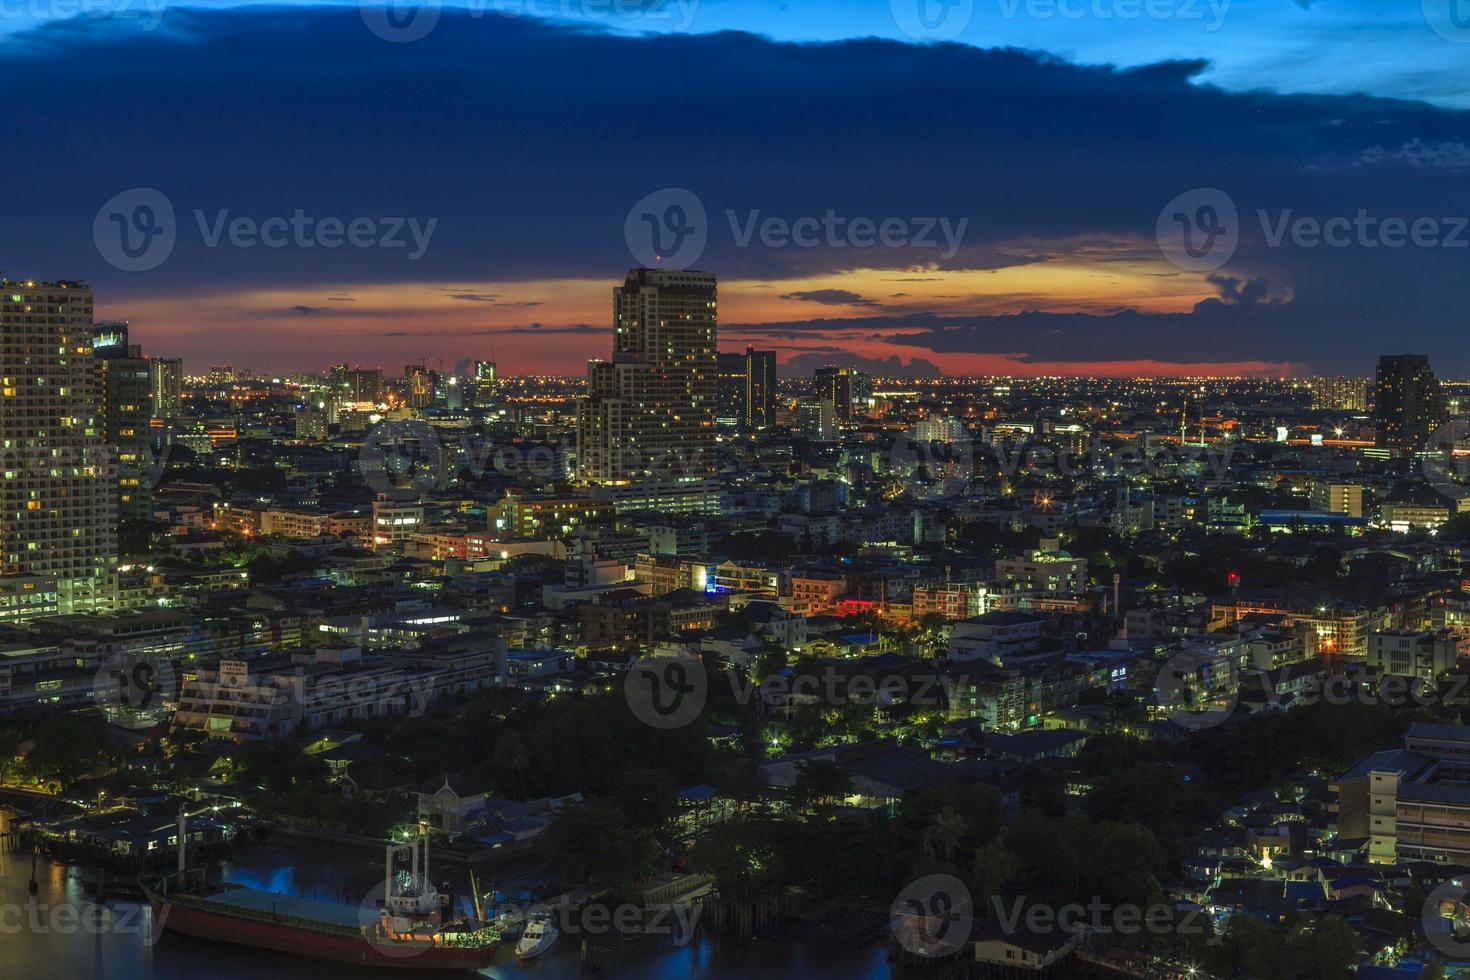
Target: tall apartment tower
{"points": [[58, 499], [166, 376], [1409, 404], [649, 413], [1339, 394], [843, 387], [730, 390], [747, 389], [125, 404], [364, 384], [760, 388]]}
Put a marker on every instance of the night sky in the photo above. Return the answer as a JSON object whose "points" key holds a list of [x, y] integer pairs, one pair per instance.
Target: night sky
{"points": [[1055, 140]]}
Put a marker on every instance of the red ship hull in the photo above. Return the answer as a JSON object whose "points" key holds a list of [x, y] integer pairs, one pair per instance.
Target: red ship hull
{"points": [[188, 919]]}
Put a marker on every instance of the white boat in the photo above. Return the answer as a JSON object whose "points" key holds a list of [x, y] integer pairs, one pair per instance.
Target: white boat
{"points": [[539, 934]]}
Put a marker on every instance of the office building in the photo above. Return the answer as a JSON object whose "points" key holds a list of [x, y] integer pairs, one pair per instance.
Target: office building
{"points": [[649, 413], [1409, 404], [58, 499]]}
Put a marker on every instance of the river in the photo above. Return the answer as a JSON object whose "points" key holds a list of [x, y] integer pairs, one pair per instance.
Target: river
{"points": [[57, 934]]}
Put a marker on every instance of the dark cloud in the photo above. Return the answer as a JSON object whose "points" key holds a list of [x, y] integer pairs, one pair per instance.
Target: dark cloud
{"points": [[831, 297], [890, 367], [263, 112]]}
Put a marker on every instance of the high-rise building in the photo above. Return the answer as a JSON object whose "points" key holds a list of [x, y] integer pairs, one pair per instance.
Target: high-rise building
{"points": [[816, 419], [730, 390], [311, 421], [843, 387], [760, 388], [166, 377], [58, 499], [484, 388], [221, 374], [1339, 394], [747, 389], [418, 385], [1409, 404], [365, 384], [649, 414], [125, 405]]}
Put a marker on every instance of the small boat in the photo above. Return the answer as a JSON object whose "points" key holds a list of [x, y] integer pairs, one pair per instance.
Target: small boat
{"points": [[539, 934]]}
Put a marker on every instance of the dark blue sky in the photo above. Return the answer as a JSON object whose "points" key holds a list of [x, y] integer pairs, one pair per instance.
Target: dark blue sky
{"points": [[518, 145]]}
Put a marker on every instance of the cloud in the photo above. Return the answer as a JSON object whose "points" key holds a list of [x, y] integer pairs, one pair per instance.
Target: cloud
{"points": [[830, 297], [891, 367], [1039, 154]]}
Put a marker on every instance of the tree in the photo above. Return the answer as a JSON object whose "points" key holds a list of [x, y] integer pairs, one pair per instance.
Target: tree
{"points": [[944, 833], [1325, 949], [818, 783], [646, 797], [992, 871], [591, 843], [70, 748]]}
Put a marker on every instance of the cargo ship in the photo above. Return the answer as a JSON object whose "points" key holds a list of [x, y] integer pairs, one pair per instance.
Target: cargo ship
{"points": [[413, 927]]}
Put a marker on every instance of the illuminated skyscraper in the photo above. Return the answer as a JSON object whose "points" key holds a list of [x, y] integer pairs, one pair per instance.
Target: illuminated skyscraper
{"points": [[843, 387], [166, 377], [1339, 394], [747, 389], [649, 414], [365, 384], [484, 395], [125, 405], [1409, 405], [58, 499], [730, 390], [760, 388]]}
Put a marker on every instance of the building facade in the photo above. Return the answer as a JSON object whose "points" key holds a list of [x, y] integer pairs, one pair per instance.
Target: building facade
{"points": [[58, 499]]}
